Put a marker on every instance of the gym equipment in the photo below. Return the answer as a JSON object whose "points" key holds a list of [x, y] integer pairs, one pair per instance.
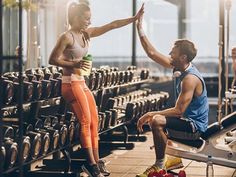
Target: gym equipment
{"points": [[11, 148], [211, 144], [7, 91]]}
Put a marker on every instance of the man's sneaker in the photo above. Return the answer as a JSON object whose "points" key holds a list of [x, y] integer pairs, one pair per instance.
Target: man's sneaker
{"points": [[172, 163], [92, 170], [102, 167], [151, 169]]}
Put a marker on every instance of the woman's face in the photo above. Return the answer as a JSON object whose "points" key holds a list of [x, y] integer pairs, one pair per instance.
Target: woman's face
{"points": [[84, 20]]}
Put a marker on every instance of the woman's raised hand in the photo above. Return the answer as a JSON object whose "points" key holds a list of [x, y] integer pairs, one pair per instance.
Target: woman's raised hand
{"points": [[139, 13]]}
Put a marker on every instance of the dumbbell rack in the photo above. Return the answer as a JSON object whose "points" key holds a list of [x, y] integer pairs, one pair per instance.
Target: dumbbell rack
{"points": [[115, 91], [20, 63]]}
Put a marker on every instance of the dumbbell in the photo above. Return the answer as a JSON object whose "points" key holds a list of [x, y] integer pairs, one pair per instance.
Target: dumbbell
{"points": [[112, 102], [31, 77], [131, 111], [37, 89], [46, 89], [45, 136], [47, 73], [126, 76], [103, 77], [9, 132], [54, 134], [35, 139], [108, 118], [11, 148], [114, 116], [39, 74], [10, 145], [7, 91], [102, 118], [98, 80], [27, 91], [92, 81], [70, 120], [144, 74], [2, 155], [62, 129], [53, 70], [121, 77], [53, 78], [60, 70], [37, 86], [131, 67]]}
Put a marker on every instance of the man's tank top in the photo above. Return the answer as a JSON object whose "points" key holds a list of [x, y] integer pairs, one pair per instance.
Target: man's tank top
{"points": [[198, 108]]}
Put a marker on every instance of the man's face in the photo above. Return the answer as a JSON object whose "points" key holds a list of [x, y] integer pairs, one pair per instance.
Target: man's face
{"points": [[175, 57]]}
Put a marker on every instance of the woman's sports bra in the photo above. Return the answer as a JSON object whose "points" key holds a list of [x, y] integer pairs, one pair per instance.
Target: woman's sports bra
{"points": [[74, 52]]}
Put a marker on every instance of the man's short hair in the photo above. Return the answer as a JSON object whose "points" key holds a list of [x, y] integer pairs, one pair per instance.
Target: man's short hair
{"points": [[187, 48]]}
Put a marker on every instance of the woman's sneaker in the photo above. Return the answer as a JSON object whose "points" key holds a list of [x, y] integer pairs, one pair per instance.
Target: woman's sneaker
{"points": [[92, 170], [102, 167]]}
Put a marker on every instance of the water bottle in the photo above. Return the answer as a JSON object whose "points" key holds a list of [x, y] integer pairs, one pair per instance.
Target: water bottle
{"points": [[209, 168]]}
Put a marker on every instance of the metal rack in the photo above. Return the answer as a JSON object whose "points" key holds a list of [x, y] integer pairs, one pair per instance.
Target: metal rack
{"points": [[20, 102]]}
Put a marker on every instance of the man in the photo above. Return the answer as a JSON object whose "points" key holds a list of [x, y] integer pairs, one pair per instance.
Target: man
{"points": [[189, 117], [233, 53]]}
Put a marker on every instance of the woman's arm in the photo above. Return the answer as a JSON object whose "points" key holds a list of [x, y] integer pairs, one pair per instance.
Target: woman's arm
{"points": [[63, 41], [97, 31], [149, 48]]}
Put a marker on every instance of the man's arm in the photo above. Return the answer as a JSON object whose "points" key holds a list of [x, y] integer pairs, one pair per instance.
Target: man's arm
{"points": [[189, 85], [149, 49]]}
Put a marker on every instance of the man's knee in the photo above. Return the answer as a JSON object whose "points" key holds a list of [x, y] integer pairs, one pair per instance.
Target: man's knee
{"points": [[158, 122]]}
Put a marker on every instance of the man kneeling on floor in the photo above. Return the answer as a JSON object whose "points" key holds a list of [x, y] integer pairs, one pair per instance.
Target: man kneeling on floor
{"points": [[188, 119]]}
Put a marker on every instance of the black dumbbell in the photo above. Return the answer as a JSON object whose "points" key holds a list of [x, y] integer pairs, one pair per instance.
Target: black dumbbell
{"points": [[54, 134], [45, 137], [35, 139], [7, 93], [46, 89], [62, 129], [92, 81], [108, 118], [11, 152], [47, 74], [70, 120], [2, 155], [102, 123], [114, 116], [131, 111]]}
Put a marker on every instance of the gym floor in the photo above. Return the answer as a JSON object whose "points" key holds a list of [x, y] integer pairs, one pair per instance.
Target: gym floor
{"points": [[127, 163]]}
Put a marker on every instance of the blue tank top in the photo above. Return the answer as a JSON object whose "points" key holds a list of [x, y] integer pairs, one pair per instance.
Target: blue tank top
{"points": [[198, 108]]}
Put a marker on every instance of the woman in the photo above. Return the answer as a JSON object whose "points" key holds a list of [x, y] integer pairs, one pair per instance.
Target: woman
{"points": [[71, 47]]}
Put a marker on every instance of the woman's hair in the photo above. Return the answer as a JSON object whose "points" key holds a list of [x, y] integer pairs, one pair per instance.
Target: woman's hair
{"points": [[76, 9], [84, 2]]}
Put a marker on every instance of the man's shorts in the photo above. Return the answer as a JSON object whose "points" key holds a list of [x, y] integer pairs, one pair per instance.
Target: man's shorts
{"points": [[181, 128]]}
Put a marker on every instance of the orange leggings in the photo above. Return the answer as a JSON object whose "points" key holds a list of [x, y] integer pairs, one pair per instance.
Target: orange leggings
{"points": [[82, 102]]}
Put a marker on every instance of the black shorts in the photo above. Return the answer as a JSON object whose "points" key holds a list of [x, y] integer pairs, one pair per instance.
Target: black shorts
{"points": [[181, 128]]}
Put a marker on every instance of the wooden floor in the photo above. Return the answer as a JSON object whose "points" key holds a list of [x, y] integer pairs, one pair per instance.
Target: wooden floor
{"points": [[128, 163]]}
